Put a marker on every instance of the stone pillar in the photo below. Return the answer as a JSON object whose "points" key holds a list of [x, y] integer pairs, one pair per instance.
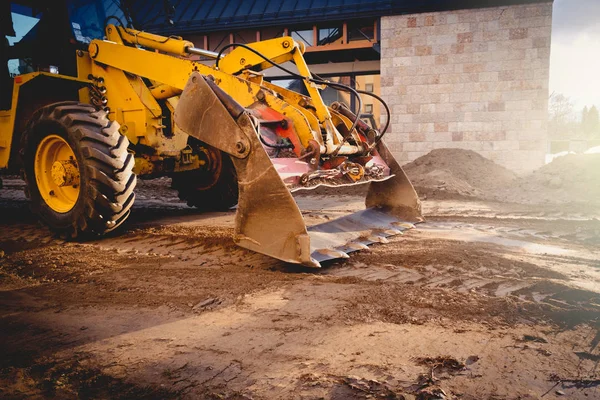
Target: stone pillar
{"points": [[474, 79]]}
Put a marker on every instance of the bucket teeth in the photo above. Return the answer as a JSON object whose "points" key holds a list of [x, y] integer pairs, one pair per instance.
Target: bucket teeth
{"points": [[357, 246], [332, 253], [353, 232], [377, 239], [393, 232], [405, 225]]}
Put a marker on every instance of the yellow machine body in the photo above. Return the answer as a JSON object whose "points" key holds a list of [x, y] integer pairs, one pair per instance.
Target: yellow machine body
{"points": [[150, 86], [122, 67]]}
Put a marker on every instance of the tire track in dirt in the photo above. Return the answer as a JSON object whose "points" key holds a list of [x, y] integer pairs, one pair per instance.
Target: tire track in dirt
{"points": [[506, 272]]}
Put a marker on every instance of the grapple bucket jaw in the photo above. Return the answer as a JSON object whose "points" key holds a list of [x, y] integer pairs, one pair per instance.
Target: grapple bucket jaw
{"points": [[268, 220]]}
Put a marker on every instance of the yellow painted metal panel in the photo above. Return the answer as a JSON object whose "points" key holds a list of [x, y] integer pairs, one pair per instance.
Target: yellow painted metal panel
{"points": [[175, 72], [171, 44], [278, 50], [6, 131], [84, 69], [7, 118]]}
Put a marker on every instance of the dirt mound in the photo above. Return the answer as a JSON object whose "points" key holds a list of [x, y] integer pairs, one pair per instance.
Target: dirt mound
{"points": [[442, 184], [455, 173], [447, 173], [574, 178]]}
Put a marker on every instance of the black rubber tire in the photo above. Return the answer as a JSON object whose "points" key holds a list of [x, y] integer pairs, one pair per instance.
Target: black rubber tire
{"points": [[220, 195], [106, 173]]}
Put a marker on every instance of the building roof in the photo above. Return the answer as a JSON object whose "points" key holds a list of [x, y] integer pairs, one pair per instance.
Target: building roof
{"points": [[202, 16]]}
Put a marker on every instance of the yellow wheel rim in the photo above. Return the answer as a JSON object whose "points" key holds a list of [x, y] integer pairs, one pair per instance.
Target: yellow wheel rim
{"points": [[57, 173]]}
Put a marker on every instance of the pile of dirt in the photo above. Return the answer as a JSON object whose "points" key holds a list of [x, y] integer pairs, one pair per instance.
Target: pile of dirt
{"points": [[457, 173], [574, 178], [450, 173], [442, 184]]}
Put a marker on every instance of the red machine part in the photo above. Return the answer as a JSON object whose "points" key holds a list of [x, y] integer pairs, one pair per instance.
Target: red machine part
{"points": [[280, 124]]}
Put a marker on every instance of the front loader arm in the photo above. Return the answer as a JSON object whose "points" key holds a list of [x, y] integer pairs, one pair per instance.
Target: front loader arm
{"points": [[174, 72], [166, 69], [278, 51], [173, 44]]}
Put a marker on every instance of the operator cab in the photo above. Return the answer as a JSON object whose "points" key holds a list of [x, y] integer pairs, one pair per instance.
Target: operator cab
{"points": [[39, 35]]}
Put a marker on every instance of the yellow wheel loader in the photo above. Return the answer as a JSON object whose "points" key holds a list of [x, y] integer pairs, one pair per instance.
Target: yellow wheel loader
{"points": [[91, 104]]}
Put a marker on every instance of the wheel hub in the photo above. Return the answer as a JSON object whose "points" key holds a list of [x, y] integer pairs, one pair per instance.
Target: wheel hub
{"points": [[65, 173], [57, 173], [210, 160]]}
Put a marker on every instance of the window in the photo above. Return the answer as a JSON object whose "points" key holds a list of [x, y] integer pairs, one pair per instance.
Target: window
{"points": [[361, 30], [329, 35], [369, 87], [369, 108], [24, 21], [305, 36], [330, 94]]}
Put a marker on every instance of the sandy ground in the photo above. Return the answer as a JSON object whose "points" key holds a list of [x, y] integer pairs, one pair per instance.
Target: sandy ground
{"points": [[484, 301]]}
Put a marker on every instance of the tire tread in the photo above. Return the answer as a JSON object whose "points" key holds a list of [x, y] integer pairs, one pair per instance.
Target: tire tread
{"points": [[109, 166]]}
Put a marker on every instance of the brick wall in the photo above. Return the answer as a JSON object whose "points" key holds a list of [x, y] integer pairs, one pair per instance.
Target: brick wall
{"points": [[473, 79]]}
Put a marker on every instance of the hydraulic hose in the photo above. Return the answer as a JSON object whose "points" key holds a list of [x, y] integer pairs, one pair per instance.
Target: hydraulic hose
{"points": [[337, 86], [387, 121]]}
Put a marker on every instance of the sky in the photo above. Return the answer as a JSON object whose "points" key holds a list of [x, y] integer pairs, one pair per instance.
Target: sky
{"points": [[575, 54], [22, 24]]}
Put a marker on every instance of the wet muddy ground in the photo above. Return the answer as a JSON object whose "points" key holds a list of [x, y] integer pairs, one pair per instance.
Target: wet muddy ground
{"points": [[484, 301]]}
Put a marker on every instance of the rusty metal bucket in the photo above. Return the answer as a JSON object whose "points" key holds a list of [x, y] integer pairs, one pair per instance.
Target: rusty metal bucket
{"points": [[268, 220]]}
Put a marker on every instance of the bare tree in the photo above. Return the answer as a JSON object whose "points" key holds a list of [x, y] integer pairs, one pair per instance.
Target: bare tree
{"points": [[561, 116]]}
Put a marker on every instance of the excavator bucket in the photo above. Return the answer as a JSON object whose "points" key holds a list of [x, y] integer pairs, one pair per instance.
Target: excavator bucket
{"points": [[268, 219]]}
